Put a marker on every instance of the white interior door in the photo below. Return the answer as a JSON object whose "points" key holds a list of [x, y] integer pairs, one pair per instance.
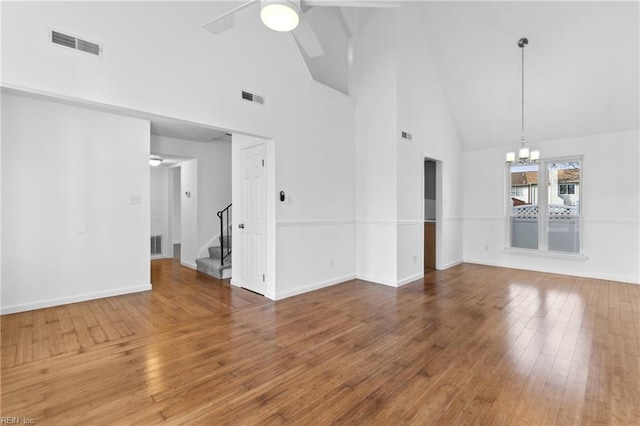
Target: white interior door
{"points": [[252, 229]]}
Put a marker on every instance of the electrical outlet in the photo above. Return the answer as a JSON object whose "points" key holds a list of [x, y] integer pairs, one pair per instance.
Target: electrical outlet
{"points": [[135, 199], [415, 259], [332, 262], [486, 247]]}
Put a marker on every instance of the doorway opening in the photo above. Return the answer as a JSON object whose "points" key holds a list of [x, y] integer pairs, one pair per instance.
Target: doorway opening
{"points": [[432, 214], [173, 209]]}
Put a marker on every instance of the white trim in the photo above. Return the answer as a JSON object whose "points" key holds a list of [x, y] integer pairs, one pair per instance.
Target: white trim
{"points": [[189, 265], [411, 222], [404, 221], [160, 256], [549, 270], [72, 299], [317, 222], [377, 280], [315, 286], [332, 93], [599, 220], [236, 283], [546, 253], [450, 265], [410, 279], [376, 222]]}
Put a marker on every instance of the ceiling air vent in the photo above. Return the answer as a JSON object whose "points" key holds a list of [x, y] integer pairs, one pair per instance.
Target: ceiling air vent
{"points": [[406, 135], [252, 98], [75, 43]]}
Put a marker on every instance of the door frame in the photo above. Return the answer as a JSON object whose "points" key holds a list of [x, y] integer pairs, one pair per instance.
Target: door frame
{"points": [[439, 209], [238, 142]]}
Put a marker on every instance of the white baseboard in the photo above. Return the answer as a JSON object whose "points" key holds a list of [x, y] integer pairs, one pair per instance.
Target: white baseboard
{"points": [[161, 256], [190, 265], [72, 299], [450, 264], [312, 287], [597, 276], [410, 279], [377, 280]]}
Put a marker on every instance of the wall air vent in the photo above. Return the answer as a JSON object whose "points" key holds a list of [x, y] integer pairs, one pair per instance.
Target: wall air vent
{"points": [[156, 244], [406, 135], [75, 43], [247, 96]]}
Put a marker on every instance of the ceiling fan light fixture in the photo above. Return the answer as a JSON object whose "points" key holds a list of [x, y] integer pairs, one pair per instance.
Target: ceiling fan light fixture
{"points": [[280, 15]]}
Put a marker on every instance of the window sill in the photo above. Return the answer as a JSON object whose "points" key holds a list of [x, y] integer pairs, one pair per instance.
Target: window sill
{"points": [[551, 254]]}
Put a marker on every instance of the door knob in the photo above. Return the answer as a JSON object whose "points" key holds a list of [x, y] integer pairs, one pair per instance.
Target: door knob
{"points": [[241, 226]]}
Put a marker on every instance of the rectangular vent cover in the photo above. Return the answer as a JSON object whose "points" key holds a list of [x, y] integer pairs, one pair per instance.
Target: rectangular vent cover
{"points": [[75, 43], [406, 135], [247, 96], [156, 244]]}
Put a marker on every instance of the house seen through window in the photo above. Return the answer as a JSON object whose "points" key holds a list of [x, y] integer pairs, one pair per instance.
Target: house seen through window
{"points": [[545, 205]]}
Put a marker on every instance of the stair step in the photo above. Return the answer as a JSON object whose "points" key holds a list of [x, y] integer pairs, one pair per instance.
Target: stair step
{"points": [[212, 267]]}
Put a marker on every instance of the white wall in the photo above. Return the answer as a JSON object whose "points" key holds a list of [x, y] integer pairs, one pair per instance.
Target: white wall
{"points": [[175, 205], [66, 212], [424, 112], [398, 89], [213, 181], [376, 160], [610, 204], [159, 205], [189, 202], [170, 66]]}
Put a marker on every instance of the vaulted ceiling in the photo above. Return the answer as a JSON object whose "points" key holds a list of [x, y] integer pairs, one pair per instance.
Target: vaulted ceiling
{"points": [[581, 68], [581, 65]]}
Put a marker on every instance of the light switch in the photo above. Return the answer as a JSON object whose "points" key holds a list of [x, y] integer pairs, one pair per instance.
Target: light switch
{"points": [[135, 199]]}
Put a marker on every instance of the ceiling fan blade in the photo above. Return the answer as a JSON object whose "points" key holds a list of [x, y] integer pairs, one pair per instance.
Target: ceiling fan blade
{"points": [[352, 3], [307, 38], [226, 21]]}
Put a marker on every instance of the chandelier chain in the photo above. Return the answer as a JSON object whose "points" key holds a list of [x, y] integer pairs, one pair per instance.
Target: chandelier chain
{"points": [[522, 134]]}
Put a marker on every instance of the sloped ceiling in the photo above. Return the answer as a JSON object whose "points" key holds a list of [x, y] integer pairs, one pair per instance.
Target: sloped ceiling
{"points": [[581, 68]]}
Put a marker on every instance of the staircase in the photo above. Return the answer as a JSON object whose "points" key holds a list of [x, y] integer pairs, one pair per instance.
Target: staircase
{"points": [[213, 265], [218, 264]]}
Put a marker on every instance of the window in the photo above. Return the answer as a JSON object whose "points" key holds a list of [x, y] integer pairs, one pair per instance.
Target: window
{"points": [[517, 192], [545, 205], [566, 188]]}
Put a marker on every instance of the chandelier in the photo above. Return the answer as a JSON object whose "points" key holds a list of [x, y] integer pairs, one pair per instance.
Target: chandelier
{"points": [[524, 155]]}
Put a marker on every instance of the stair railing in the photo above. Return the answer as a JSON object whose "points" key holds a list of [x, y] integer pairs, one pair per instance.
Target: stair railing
{"points": [[225, 241]]}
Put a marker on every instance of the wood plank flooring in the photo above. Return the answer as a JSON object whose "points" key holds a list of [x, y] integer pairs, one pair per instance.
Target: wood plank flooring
{"points": [[470, 345]]}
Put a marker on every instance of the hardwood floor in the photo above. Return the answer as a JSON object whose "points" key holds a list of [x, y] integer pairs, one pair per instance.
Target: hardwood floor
{"points": [[472, 344]]}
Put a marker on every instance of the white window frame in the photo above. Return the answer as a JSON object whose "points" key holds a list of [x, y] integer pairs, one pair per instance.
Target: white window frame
{"points": [[543, 209]]}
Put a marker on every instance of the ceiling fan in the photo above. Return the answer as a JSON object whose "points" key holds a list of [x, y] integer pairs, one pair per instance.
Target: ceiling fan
{"points": [[289, 15]]}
